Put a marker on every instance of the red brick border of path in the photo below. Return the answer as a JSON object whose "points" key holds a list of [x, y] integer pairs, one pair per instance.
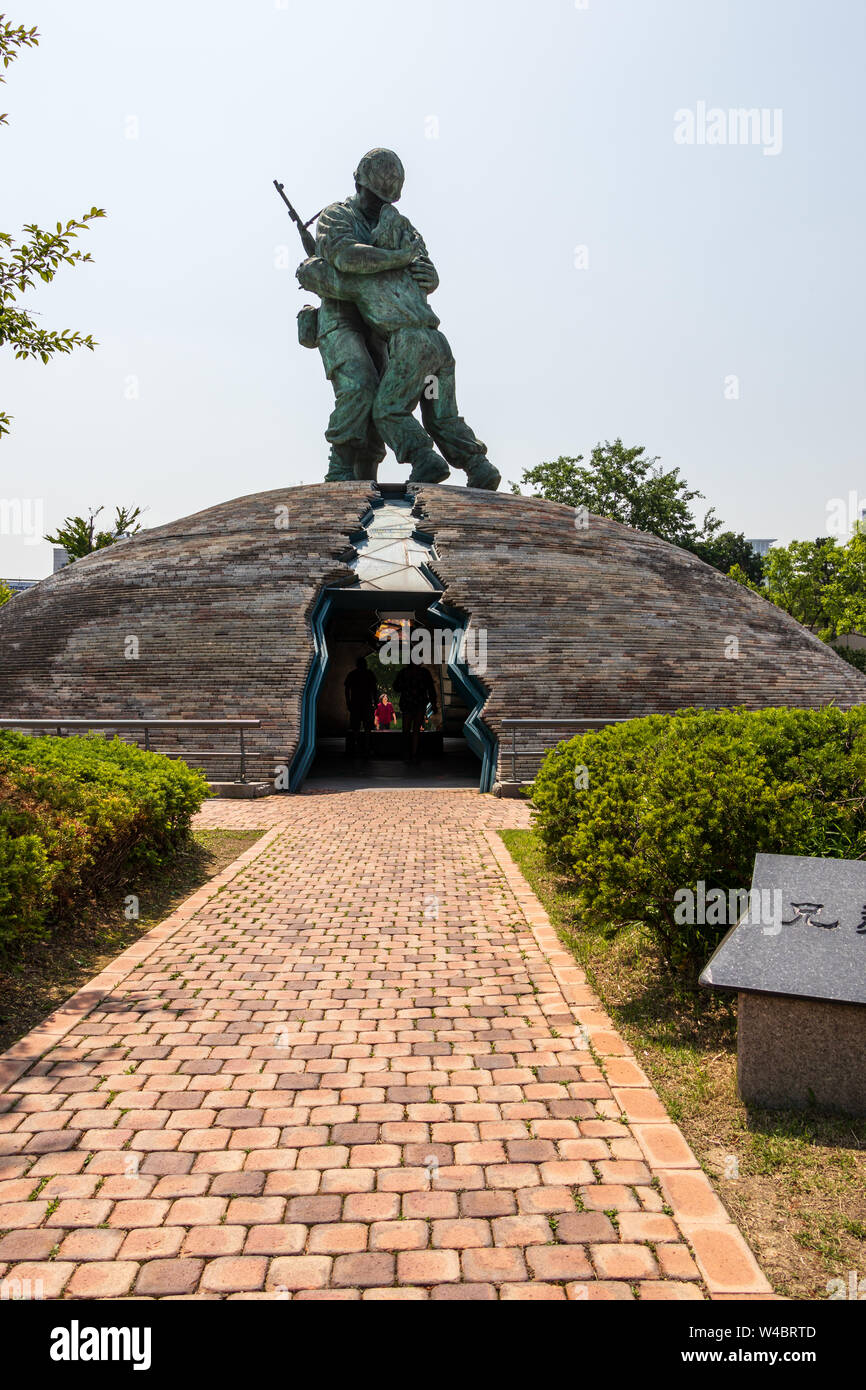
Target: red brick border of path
{"points": [[725, 1261], [46, 1036]]}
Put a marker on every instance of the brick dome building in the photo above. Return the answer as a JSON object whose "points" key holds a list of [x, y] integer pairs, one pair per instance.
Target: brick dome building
{"points": [[256, 609]]}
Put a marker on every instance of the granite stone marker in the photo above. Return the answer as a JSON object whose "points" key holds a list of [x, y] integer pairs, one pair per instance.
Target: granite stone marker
{"points": [[797, 958]]}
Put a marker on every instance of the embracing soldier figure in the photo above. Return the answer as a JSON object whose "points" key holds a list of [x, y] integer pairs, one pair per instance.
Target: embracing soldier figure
{"points": [[380, 339]]}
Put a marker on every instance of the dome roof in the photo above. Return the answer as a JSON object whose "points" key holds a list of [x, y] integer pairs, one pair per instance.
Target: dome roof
{"points": [[580, 623], [606, 620]]}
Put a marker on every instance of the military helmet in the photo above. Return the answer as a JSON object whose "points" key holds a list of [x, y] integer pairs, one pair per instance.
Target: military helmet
{"points": [[382, 172]]}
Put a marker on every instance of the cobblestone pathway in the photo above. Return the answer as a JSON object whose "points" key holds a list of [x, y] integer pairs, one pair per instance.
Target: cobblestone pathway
{"points": [[357, 1065]]}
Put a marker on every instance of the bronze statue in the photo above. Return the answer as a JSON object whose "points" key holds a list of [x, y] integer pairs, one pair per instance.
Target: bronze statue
{"points": [[380, 340]]}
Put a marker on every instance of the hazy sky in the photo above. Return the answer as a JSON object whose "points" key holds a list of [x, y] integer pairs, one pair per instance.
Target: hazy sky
{"points": [[529, 131]]}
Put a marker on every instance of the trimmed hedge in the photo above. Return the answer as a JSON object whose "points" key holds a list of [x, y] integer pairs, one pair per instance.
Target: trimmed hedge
{"points": [[78, 814], [636, 812]]}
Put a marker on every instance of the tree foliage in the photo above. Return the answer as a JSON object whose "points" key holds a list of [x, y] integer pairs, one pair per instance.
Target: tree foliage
{"points": [[13, 37], [78, 535], [855, 656], [626, 485], [5, 593], [37, 258], [728, 550], [820, 583]]}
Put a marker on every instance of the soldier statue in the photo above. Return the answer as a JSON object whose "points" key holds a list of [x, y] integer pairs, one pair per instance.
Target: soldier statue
{"points": [[379, 339]]}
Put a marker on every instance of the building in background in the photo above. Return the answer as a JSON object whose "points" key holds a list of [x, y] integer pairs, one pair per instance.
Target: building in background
{"points": [[61, 560], [19, 585], [761, 547]]}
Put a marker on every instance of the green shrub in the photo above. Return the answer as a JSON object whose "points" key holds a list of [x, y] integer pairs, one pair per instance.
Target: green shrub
{"points": [[79, 814], [670, 801], [26, 876]]}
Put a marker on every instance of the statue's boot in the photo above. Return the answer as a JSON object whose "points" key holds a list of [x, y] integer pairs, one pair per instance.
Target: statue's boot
{"points": [[482, 474], [341, 466], [429, 467], [368, 458]]}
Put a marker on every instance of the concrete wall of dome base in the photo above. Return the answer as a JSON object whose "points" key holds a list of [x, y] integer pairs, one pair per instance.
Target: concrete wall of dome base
{"points": [[236, 791]]}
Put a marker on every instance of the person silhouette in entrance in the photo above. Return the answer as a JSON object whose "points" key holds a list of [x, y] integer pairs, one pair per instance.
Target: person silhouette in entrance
{"points": [[415, 690], [362, 693]]}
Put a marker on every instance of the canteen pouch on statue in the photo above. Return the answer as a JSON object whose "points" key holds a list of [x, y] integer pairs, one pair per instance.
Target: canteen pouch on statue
{"points": [[308, 326]]}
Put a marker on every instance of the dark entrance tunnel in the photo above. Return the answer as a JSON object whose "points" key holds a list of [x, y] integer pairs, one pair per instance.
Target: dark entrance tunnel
{"points": [[395, 616], [446, 757]]}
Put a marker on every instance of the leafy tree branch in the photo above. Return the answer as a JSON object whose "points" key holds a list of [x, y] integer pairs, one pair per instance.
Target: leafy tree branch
{"points": [[37, 258], [78, 535]]}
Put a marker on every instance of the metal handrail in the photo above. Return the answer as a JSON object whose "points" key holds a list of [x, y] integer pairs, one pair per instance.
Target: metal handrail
{"points": [[58, 725], [515, 724]]}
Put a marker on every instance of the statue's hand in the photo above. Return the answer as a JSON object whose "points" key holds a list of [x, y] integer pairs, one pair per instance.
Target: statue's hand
{"points": [[305, 276], [424, 272]]}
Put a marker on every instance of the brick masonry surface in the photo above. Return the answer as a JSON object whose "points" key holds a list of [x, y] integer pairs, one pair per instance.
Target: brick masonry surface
{"points": [[609, 621], [220, 603], [600, 622], [356, 1065]]}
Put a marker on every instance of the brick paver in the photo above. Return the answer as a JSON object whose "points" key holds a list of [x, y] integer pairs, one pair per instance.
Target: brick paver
{"points": [[357, 1065]]}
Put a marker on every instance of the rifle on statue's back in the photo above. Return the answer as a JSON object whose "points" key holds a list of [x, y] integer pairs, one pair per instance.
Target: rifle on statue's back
{"points": [[306, 235], [308, 318]]}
